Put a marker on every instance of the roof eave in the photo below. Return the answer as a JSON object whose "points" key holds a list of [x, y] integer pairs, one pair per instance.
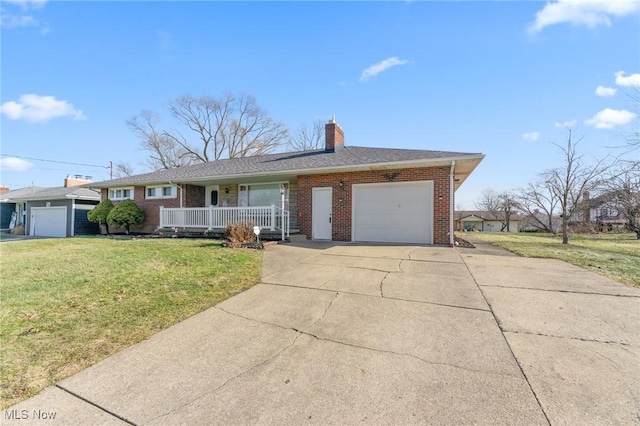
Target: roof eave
{"points": [[429, 162]]}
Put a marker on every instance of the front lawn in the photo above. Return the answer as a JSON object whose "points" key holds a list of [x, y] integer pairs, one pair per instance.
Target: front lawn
{"points": [[616, 256], [68, 303]]}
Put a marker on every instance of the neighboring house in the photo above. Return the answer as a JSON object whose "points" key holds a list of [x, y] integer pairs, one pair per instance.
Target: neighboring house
{"points": [[485, 221], [531, 222], [601, 212], [342, 193], [12, 208], [59, 211]]}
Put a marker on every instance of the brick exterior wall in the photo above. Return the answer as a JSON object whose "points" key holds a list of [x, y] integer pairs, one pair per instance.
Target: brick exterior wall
{"points": [[341, 229], [193, 196]]}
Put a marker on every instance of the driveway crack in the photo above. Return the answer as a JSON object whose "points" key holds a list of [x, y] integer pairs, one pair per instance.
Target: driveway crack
{"points": [[326, 310], [495, 318], [606, 342], [231, 379], [382, 283], [404, 354]]}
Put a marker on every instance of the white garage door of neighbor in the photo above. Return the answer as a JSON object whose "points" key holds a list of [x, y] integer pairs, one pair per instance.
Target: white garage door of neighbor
{"points": [[399, 212], [49, 221]]}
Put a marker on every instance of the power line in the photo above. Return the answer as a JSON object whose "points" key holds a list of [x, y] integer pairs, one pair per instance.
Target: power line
{"points": [[54, 161]]}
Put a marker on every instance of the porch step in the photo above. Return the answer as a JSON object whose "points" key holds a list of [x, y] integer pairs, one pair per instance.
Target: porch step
{"points": [[297, 238]]}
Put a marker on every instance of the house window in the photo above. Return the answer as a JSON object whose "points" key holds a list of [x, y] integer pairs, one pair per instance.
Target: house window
{"points": [[213, 197], [262, 194], [120, 193], [167, 191]]}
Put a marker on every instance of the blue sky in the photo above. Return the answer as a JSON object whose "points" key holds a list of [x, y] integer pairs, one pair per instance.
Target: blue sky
{"points": [[500, 78]]}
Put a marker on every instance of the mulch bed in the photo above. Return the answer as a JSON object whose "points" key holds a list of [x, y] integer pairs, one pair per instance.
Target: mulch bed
{"points": [[463, 243]]}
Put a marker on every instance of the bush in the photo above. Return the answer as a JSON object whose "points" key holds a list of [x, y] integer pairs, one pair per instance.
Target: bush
{"points": [[18, 230], [240, 234], [100, 213], [125, 214]]}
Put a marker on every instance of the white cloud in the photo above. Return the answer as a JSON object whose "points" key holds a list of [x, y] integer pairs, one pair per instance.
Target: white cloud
{"points": [[14, 14], [605, 91], [15, 21], [26, 4], [609, 118], [14, 164], [531, 136], [376, 69], [591, 13], [632, 80], [35, 108], [566, 124]]}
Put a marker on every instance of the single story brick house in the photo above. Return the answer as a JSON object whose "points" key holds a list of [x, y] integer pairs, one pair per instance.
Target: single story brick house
{"points": [[340, 193]]}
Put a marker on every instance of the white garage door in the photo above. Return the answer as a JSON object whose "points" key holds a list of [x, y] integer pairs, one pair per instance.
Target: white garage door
{"points": [[399, 212], [49, 221]]}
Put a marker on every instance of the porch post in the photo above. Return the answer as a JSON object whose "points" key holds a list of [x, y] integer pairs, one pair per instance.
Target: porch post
{"points": [[161, 224], [210, 216], [273, 217]]}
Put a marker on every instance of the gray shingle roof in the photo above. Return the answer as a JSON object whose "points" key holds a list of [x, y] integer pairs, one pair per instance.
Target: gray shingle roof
{"points": [[61, 193], [307, 161], [19, 193]]}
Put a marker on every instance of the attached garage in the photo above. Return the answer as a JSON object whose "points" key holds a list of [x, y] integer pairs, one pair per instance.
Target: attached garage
{"points": [[396, 212], [49, 221]]}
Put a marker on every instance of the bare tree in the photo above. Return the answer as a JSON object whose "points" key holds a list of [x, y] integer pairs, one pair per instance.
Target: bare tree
{"points": [[623, 188], [501, 205], [164, 153], [489, 201], [122, 170], [308, 137], [572, 180], [209, 129], [538, 202], [508, 207]]}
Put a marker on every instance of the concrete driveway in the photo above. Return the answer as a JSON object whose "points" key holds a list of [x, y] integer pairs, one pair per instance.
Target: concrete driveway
{"points": [[346, 334]]}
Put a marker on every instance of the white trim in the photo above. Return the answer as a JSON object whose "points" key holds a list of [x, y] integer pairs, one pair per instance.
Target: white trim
{"points": [[121, 188], [174, 192]]}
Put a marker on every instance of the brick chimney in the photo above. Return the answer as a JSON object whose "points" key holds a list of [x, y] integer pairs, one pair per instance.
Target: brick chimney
{"points": [[76, 180], [4, 189], [333, 136]]}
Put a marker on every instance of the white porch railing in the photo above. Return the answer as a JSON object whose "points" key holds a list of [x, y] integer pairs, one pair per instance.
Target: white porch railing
{"points": [[269, 217]]}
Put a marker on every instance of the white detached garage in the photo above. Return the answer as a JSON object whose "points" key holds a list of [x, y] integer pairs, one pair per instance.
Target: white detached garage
{"points": [[398, 212]]}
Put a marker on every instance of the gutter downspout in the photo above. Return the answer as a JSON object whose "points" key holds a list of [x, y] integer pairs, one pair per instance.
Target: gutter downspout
{"points": [[451, 202], [180, 188]]}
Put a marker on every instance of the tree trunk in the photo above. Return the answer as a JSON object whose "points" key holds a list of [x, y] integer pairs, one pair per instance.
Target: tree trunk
{"points": [[565, 231]]}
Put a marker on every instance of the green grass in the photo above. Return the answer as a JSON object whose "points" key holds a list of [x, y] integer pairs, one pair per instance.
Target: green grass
{"points": [[616, 256], [68, 303]]}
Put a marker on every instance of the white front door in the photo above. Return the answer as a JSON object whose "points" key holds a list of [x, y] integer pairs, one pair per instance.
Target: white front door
{"points": [[321, 207], [212, 196]]}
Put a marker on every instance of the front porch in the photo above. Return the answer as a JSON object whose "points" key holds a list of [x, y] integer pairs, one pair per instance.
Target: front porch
{"points": [[273, 219]]}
